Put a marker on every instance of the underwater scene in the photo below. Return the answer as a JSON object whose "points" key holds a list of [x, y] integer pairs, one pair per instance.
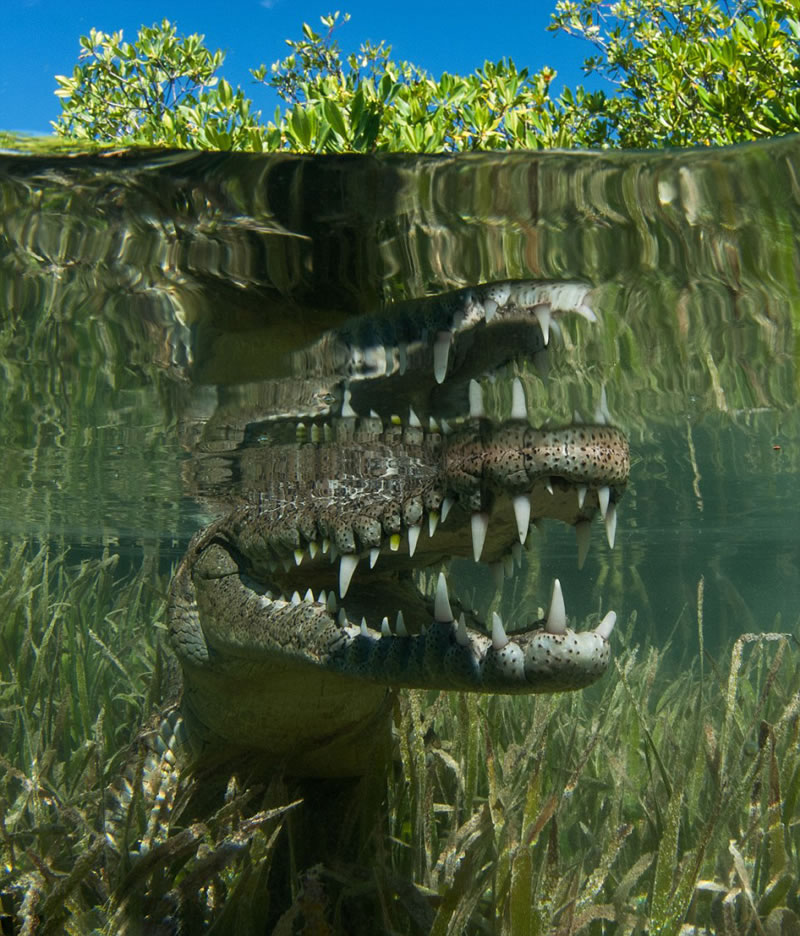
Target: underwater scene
{"points": [[400, 544]]}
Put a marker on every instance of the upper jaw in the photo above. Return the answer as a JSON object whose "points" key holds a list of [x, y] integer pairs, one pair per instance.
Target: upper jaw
{"points": [[485, 516], [491, 481]]}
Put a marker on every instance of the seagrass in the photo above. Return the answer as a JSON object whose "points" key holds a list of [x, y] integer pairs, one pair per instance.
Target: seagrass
{"points": [[660, 799]]}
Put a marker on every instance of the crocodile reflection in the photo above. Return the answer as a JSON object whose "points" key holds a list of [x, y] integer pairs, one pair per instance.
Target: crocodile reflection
{"points": [[297, 614]]}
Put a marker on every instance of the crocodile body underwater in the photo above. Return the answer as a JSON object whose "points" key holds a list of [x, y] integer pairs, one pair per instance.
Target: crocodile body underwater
{"points": [[298, 613]]}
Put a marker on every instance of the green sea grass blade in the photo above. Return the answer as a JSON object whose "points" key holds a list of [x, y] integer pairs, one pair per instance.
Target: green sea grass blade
{"points": [[523, 914], [665, 912]]}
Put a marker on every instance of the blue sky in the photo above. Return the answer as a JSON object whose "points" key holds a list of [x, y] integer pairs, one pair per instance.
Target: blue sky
{"points": [[40, 39]]}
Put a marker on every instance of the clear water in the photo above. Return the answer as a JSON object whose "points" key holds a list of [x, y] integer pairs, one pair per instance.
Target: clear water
{"points": [[137, 290]]}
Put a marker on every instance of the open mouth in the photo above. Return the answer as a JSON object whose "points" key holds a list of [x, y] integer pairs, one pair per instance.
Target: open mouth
{"points": [[410, 498]]}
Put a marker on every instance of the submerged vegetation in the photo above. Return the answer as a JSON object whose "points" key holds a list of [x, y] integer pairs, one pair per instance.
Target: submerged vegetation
{"points": [[658, 801], [651, 803]]}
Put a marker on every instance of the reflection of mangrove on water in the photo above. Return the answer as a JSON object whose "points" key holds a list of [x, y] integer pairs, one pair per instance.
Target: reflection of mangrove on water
{"points": [[125, 278]]}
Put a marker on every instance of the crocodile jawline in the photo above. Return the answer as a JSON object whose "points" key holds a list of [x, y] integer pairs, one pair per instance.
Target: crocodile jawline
{"points": [[296, 612]]}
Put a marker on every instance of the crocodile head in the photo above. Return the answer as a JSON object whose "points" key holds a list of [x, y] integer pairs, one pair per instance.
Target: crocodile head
{"points": [[299, 612]]}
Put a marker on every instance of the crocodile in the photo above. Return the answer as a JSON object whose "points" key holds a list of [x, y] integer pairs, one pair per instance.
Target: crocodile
{"points": [[300, 612]]}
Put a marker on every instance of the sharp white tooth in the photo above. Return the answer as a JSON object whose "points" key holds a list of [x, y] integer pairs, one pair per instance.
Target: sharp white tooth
{"points": [[313, 549], [611, 524], [364, 627], [499, 636], [309, 596], [582, 489], [347, 566], [603, 495], [373, 556], [347, 409], [402, 358], [587, 312], [583, 533], [519, 410], [462, 637], [413, 537], [373, 414], [522, 514], [446, 430], [605, 627], [341, 618], [441, 603], [326, 545], [516, 553], [447, 503], [489, 309], [296, 599], [331, 602], [400, 625], [498, 574], [386, 631], [323, 597], [599, 415], [441, 350], [433, 426], [333, 552], [557, 616], [298, 556], [542, 314], [413, 419], [433, 522], [476, 410], [480, 526], [549, 487], [602, 414]]}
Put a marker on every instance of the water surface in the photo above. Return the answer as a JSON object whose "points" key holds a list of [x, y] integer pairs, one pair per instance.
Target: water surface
{"points": [[142, 291]]}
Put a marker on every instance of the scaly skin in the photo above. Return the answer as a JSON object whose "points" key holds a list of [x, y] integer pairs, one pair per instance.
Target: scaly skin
{"points": [[306, 682]]}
